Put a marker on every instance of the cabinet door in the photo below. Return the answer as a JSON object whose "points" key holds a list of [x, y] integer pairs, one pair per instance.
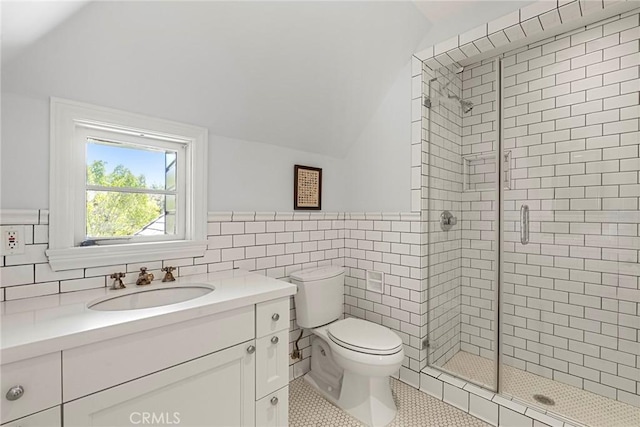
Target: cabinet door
{"points": [[213, 390], [272, 363], [273, 410], [48, 418]]}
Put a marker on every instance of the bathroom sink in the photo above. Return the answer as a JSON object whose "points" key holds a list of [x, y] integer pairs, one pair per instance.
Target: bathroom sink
{"points": [[147, 298]]}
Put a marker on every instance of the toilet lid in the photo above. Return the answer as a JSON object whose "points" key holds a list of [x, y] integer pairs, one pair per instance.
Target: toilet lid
{"points": [[364, 337], [311, 274]]}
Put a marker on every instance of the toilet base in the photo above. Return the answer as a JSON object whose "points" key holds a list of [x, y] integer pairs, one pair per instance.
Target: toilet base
{"points": [[332, 394], [368, 399]]}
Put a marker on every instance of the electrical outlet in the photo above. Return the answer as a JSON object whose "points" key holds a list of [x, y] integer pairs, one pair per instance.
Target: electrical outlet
{"points": [[12, 240]]}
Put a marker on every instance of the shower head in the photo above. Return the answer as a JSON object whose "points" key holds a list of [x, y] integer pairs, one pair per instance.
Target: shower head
{"points": [[466, 105]]}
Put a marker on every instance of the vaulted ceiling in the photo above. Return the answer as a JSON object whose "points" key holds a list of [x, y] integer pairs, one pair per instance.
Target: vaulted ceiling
{"points": [[306, 75]]}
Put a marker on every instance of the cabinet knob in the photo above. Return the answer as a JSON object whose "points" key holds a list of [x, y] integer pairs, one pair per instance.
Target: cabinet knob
{"points": [[15, 392], [275, 317], [251, 349], [274, 400], [274, 340]]}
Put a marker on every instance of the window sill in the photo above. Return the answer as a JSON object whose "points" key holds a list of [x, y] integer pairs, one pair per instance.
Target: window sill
{"points": [[99, 256]]}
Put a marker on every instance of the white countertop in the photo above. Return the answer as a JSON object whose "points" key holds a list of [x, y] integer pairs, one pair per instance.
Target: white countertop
{"points": [[37, 326]]}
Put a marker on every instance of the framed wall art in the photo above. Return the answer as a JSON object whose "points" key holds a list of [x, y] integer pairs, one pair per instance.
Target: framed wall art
{"points": [[307, 188]]}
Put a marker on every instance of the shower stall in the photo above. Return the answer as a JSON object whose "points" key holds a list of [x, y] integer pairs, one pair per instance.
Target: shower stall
{"points": [[533, 186]]}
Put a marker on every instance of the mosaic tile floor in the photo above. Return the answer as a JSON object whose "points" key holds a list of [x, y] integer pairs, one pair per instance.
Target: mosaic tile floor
{"points": [[308, 408], [572, 402]]}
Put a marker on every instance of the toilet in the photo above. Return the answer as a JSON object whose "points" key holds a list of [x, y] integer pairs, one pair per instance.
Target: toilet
{"points": [[351, 359]]}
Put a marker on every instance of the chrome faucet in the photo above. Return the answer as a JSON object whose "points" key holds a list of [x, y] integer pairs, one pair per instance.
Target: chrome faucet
{"points": [[168, 277], [117, 281], [144, 278]]}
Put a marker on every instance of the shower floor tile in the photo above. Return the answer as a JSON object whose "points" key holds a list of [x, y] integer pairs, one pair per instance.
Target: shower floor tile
{"points": [[415, 409], [571, 402]]}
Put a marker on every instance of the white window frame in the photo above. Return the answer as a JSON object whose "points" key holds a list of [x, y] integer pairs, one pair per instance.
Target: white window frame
{"points": [[83, 133], [70, 121]]}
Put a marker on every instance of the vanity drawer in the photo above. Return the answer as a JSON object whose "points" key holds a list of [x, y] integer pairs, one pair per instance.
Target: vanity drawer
{"points": [[49, 418], [272, 316], [101, 365], [273, 410], [272, 363], [39, 377]]}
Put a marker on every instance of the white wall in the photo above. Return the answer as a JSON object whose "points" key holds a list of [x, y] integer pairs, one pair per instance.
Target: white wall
{"points": [[243, 175], [377, 168], [24, 153], [302, 99], [247, 175]]}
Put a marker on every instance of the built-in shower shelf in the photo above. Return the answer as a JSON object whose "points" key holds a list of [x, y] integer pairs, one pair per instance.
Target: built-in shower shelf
{"points": [[479, 171]]}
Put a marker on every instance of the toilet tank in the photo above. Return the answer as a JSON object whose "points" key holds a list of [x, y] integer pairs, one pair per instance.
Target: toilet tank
{"points": [[320, 295]]}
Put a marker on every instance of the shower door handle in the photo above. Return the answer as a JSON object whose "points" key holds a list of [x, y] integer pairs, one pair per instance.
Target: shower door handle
{"points": [[524, 224]]}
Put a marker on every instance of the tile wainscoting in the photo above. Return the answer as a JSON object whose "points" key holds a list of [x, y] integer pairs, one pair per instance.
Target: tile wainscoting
{"points": [[270, 243], [276, 244]]}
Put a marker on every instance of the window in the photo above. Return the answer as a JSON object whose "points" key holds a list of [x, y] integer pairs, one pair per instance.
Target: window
{"points": [[124, 187], [134, 188]]}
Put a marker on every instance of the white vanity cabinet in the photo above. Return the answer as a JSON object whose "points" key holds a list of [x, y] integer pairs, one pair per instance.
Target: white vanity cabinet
{"points": [[210, 371], [217, 360], [213, 390]]}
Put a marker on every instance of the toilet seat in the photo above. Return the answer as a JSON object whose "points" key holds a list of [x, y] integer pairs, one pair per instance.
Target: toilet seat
{"points": [[364, 337]]}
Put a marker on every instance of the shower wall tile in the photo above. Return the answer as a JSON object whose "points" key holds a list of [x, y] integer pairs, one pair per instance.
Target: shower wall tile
{"points": [[572, 295], [417, 112], [442, 177], [478, 239]]}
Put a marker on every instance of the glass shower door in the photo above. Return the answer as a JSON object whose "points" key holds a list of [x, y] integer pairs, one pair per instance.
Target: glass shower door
{"points": [[462, 186], [570, 287]]}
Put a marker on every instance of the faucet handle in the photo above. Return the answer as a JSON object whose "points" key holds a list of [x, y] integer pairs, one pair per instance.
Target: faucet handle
{"points": [[144, 278], [168, 277], [117, 280]]}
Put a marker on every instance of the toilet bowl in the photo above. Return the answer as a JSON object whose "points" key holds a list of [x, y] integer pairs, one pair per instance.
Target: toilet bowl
{"points": [[352, 359], [364, 391], [380, 357]]}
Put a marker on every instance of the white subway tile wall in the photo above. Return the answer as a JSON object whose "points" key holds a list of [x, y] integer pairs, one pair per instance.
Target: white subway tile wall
{"points": [[443, 187], [572, 295], [478, 287], [552, 17], [392, 246], [269, 243], [273, 244]]}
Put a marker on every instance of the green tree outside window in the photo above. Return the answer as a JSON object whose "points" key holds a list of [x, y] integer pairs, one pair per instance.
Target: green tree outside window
{"points": [[113, 213]]}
